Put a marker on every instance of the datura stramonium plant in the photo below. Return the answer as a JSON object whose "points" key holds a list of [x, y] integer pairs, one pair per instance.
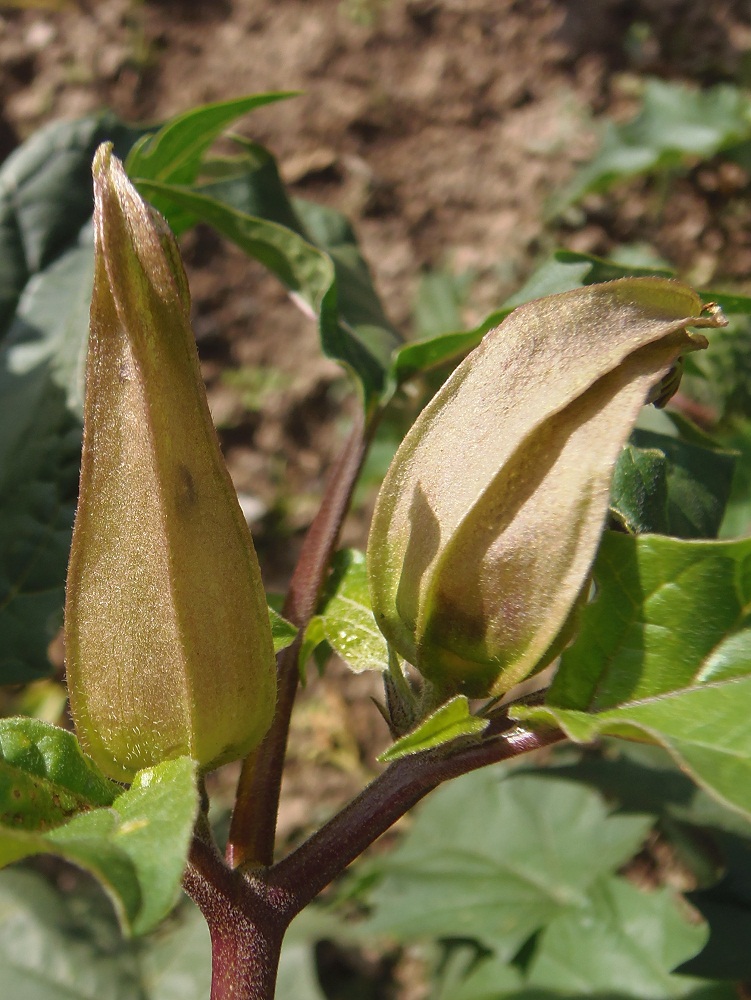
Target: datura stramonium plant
{"points": [[489, 517], [168, 643]]}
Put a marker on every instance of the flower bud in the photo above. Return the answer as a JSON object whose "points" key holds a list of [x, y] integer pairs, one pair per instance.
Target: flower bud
{"points": [[168, 642], [490, 515]]}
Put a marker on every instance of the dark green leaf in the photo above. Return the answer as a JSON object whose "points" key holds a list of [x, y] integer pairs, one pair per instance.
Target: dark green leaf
{"points": [[44, 777], [494, 860], [668, 486], [46, 271], [737, 521], [451, 721]]}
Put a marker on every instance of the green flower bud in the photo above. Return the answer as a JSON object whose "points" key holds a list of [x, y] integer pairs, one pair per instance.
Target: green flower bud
{"points": [[168, 642], [490, 515]]}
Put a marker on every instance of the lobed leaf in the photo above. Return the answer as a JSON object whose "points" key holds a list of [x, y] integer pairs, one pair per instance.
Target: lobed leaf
{"points": [[494, 860], [648, 933]]}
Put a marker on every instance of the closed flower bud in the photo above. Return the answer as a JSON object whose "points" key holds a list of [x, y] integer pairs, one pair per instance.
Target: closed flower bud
{"points": [[490, 515], [168, 642]]}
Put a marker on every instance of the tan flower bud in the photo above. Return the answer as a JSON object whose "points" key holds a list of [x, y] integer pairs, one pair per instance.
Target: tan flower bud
{"points": [[489, 517], [168, 642]]}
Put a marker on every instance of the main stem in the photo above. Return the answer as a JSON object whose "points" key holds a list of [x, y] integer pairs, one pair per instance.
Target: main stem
{"points": [[253, 826], [246, 922]]}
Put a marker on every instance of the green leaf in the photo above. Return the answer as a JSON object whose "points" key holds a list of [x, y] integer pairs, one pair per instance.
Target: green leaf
{"points": [[283, 632], [567, 269], [44, 776], [174, 153], [422, 355], [250, 183], [621, 941], [675, 125], [643, 778], [704, 728], [304, 269], [668, 614], [46, 273], [136, 848], [494, 860], [562, 272], [441, 294], [665, 485], [449, 722], [345, 619]]}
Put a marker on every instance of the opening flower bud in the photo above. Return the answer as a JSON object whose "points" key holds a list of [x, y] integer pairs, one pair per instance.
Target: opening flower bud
{"points": [[490, 515], [168, 642]]}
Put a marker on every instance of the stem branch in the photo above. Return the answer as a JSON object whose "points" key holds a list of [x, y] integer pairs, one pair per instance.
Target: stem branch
{"points": [[253, 826], [309, 869]]}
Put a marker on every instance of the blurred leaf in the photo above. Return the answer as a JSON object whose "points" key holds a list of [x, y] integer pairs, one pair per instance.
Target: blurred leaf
{"points": [[494, 860], [449, 722], [643, 778], [345, 619], [439, 300], [622, 941], [668, 486], [726, 906], [283, 632], [61, 946], [175, 963], [562, 272], [737, 521], [136, 848], [487, 979], [44, 776], [46, 274], [675, 126]]}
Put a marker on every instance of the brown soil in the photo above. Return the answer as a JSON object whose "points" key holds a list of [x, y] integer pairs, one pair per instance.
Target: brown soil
{"points": [[441, 127]]}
